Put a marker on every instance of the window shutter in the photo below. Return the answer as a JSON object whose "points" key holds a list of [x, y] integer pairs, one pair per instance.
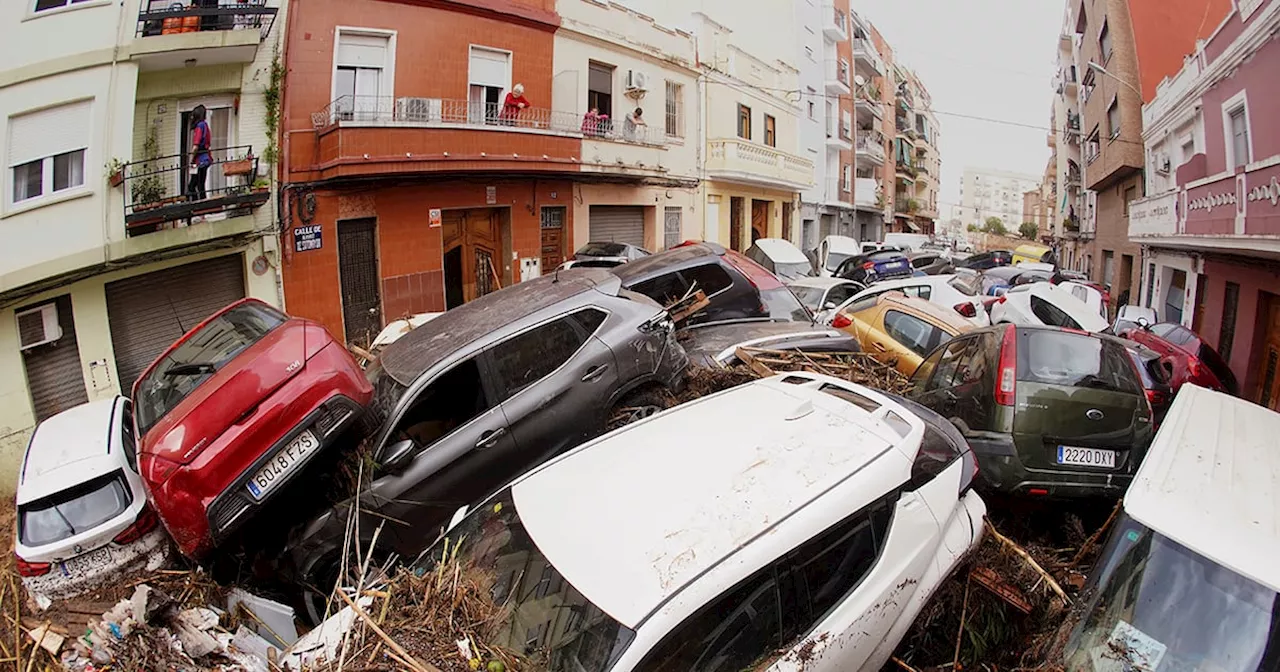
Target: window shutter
{"points": [[362, 51], [600, 78], [48, 132], [489, 68]]}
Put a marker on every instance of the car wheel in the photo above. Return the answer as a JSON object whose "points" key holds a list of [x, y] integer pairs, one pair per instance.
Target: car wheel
{"points": [[638, 406], [316, 587]]}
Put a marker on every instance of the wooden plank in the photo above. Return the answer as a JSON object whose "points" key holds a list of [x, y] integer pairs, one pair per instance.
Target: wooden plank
{"points": [[754, 364]]}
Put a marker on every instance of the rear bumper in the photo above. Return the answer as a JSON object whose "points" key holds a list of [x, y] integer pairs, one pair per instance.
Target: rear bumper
{"points": [[1001, 469], [149, 552]]}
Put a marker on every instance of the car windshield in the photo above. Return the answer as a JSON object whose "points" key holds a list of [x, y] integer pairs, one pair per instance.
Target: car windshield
{"points": [[73, 511], [602, 250], [199, 357], [784, 306], [1066, 359], [811, 297], [791, 270], [834, 259], [537, 615], [1156, 605]]}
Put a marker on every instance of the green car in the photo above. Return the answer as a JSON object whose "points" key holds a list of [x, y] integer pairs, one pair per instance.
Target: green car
{"points": [[1048, 411]]}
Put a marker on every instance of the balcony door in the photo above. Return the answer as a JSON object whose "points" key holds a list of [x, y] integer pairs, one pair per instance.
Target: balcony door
{"points": [[362, 76], [489, 78], [220, 115]]}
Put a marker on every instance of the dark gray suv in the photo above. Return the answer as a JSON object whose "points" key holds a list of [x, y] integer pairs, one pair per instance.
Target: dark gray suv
{"points": [[487, 391]]}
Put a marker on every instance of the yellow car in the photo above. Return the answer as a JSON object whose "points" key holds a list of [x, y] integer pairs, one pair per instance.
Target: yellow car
{"points": [[896, 328]]}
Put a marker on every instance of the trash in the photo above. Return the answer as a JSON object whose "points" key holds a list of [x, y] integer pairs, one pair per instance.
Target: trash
{"points": [[324, 641], [192, 628], [46, 639], [272, 620]]}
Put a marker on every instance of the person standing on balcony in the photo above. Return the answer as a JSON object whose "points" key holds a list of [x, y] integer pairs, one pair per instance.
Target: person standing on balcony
{"points": [[201, 158], [635, 121], [514, 103]]}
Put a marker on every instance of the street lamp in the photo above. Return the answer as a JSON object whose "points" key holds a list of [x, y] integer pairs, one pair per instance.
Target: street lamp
{"points": [[1103, 71]]}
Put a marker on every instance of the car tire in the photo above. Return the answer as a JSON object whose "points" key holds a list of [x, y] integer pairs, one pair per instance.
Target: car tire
{"points": [[315, 587], [638, 405]]}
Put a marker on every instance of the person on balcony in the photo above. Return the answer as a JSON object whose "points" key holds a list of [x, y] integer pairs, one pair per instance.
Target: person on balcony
{"points": [[514, 103], [634, 123], [591, 122], [201, 158]]}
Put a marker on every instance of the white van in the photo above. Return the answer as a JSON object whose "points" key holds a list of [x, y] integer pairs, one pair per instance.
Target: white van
{"points": [[833, 250], [1189, 578], [906, 241]]}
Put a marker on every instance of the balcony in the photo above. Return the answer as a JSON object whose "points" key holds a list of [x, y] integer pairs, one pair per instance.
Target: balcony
{"points": [[366, 135], [870, 147], [867, 194], [157, 200], [1070, 83], [835, 26], [838, 136], [924, 175], [836, 77], [905, 171], [738, 160], [866, 58], [905, 203], [173, 35], [867, 104], [838, 194]]}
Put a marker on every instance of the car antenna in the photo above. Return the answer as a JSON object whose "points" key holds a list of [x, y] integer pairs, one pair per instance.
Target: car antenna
{"points": [[173, 310], [557, 278]]}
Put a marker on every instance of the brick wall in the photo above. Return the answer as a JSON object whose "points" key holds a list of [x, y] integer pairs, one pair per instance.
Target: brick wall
{"points": [[1113, 236]]}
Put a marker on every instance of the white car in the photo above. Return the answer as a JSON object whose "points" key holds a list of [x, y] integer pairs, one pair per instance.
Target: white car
{"points": [[805, 532], [1041, 303], [823, 294], [781, 257], [1088, 296], [833, 250], [1132, 317], [83, 517], [959, 292]]}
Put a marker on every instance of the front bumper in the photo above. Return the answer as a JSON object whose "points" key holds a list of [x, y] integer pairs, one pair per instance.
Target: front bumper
{"points": [[150, 552], [1001, 469]]}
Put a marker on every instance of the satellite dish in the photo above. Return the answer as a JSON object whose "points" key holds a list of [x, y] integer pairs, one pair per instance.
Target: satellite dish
{"points": [[859, 80]]}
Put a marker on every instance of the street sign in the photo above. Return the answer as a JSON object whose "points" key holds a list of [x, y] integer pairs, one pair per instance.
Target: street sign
{"points": [[307, 238]]}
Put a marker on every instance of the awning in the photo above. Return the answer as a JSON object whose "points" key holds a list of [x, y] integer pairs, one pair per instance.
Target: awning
{"points": [[913, 226]]}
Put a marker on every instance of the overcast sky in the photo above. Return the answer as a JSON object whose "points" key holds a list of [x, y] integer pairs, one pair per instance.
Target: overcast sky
{"points": [[980, 58]]}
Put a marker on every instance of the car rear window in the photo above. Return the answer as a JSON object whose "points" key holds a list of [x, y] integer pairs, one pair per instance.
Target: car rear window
{"points": [[784, 306], [967, 285], [1075, 360], [1050, 314], [199, 357], [73, 511], [603, 250], [757, 274], [809, 296]]}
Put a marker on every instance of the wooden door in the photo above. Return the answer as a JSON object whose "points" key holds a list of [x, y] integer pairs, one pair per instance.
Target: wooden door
{"points": [[1269, 386], [736, 204], [472, 239], [759, 220], [552, 238]]}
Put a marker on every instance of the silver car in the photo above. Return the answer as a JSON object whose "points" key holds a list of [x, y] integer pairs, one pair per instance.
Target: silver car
{"points": [[486, 391]]}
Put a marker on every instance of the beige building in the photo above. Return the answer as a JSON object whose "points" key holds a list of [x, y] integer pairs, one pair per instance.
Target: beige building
{"points": [[107, 260], [994, 193]]}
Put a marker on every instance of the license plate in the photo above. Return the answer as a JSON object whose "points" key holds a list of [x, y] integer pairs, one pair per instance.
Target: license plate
{"points": [[87, 562], [894, 265], [1086, 457], [282, 464]]}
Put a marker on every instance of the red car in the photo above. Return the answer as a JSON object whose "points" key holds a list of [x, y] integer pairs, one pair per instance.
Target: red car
{"points": [[1192, 359], [233, 410]]}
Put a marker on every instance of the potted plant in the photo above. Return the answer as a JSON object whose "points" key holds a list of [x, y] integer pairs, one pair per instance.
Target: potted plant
{"points": [[148, 191], [242, 166], [115, 172], [261, 184]]}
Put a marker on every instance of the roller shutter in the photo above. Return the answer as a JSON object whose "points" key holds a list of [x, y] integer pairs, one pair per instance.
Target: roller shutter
{"points": [[54, 375], [148, 312], [617, 224]]}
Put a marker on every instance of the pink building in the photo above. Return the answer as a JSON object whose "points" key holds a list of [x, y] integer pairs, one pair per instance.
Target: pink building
{"points": [[1210, 225]]}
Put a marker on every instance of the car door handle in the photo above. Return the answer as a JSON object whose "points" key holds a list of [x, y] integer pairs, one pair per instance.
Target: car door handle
{"points": [[490, 438], [593, 374]]}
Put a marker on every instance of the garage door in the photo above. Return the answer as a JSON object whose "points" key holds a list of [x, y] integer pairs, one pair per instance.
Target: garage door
{"points": [[148, 312], [617, 224]]}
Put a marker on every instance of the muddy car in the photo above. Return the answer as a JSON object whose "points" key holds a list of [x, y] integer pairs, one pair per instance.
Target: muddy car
{"points": [[487, 391]]}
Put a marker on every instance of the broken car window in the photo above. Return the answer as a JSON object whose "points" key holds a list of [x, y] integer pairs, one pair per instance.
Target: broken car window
{"points": [[449, 402]]}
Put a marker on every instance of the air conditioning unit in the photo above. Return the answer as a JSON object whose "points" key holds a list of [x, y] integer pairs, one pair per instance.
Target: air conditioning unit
{"points": [[38, 326], [1162, 164], [637, 81], [418, 109]]}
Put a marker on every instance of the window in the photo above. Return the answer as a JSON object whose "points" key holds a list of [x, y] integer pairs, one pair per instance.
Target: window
{"points": [[1239, 140], [1104, 41], [840, 293], [675, 109], [1113, 119], [846, 178], [128, 441], [1051, 315], [709, 278], [362, 60], [1130, 195], [1108, 267], [813, 110], [600, 88], [770, 131], [46, 151], [450, 401], [1075, 360], [744, 122], [671, 223], [1227, 333], [526, 358], [42, 5], [73, 511], [917, 335]]}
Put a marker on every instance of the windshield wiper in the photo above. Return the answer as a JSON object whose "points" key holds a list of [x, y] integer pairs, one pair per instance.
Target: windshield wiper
{"points": [[193, 369]]}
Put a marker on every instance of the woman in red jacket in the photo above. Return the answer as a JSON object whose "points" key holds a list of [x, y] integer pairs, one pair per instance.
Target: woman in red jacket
{"points": [[514, 103]]}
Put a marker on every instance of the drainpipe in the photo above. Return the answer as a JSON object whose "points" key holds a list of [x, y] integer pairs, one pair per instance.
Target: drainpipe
{"points": [[109, 145]]}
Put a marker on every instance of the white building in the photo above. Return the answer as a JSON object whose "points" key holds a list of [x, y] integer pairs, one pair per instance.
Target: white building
{"points": [[994, 193], [106, 262]]}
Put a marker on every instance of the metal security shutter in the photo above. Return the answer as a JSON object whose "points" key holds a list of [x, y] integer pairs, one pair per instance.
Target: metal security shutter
{"points": [[148, 312], [54, 375], [617, 224]]}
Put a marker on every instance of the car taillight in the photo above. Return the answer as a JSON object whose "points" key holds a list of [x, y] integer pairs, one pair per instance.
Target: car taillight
{"points": [[868, 265], [841, 321], [1155, 398], [1008, 367], [156, 469], [31, 568], [145, 523], [966, 309]]}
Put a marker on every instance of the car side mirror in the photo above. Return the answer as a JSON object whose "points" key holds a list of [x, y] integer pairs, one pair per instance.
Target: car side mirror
{"points": [[397, 455], [1144, 323]]}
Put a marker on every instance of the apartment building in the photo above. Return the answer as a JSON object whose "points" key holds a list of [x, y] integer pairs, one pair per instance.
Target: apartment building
{"points": [[1209, 227], [109, 256], [993, 193], [1119, 51], [872, 202], [414, 189], [916, 159]]}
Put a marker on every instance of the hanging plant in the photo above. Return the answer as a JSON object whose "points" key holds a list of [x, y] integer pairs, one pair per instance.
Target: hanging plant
{"points": [[271, 100]]}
